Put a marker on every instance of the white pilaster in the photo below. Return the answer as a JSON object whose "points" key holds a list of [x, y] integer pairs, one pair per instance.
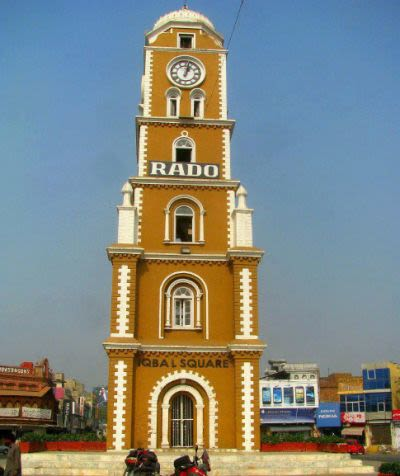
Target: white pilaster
{"points": [[119, 420], [247, 406], [147, 83], [124, 281]]}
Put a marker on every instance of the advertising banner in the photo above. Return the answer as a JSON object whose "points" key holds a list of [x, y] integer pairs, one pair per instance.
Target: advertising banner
{"points": [[287, 415], [396, 415], [328, 415], [36, 413], [352, 417], [9, 412]]}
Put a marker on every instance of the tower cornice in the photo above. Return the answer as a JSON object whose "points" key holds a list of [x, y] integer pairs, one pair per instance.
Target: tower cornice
{"points": [[184, 183], [186, 121], [173, 49]]}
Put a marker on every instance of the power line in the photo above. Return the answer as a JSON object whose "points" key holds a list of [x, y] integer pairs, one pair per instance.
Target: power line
{"points": [[234, 25], [227, 47]]}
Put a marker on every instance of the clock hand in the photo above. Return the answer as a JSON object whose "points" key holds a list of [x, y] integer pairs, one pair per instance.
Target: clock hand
{"points": [[187, 69]]}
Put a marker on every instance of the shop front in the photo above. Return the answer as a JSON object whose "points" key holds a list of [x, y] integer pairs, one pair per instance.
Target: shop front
{"points": [[288, 420], [354, 425], [328, 419]]}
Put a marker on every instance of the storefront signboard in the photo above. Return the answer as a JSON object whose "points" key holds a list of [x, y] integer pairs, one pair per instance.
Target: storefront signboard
{"points": [[396, 415], [9, 412], [353, 417], [287, 415], [36, 413], [328, 415]]}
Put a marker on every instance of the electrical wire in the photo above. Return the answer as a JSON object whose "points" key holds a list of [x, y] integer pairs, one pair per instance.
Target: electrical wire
{"points": [[227, 47]]}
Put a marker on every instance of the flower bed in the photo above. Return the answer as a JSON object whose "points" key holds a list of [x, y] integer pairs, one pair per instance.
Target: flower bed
{"points": [[389, 469], [31, 446]]}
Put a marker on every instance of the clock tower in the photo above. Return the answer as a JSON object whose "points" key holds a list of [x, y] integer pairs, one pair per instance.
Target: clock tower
{"points": [[183, 347]]}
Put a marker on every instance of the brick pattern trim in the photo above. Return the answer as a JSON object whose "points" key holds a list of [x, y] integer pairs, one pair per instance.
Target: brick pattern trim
{"points": [[230, 198], [142, 156], [139, 207], [123, 306], [226, 154], [246, 305], [247, 406], [176, 377], [119, 420], [223, 107], [148, 81]]}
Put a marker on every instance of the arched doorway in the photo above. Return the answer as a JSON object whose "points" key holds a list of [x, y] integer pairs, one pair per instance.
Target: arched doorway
{"points": [[182, 417]]}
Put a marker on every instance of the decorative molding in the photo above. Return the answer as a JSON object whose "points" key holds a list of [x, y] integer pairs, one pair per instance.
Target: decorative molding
{"points": [[124, 281], [247, 374], [175, 377], [223, 106], [161, 303], [230, 199], [226, 153], [142, 153], [180, 258], [119, 420], [138, 201], [173, 49], [184, 183], [187, 122], [148, 79], [246, 305]]}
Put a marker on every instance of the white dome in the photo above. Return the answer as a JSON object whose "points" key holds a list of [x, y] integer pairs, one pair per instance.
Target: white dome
{"points": [[183, 15]]}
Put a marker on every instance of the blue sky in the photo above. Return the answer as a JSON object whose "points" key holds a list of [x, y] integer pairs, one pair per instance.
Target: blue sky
{"points": [[314, 88]]}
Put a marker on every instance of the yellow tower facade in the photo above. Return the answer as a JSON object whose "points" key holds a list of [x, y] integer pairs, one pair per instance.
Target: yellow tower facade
{"points": [[183, 347]]}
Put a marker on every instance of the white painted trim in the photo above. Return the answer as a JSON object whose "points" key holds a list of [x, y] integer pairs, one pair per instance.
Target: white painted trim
{"points": [[193, 225], [193, 149], [148, 78], [119, 420], [166, 182], [223, 105], [165, 414], [196, 323], [167, 231], [178, 41], [161, 300], [246, 303], [142, 155], [124, 280], [138, 201], [226, 153], [169, 95], [177, 376], [247, 406], [230, 199]]}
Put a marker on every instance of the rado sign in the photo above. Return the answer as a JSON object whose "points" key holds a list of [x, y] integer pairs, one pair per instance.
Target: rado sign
{"points": [[183, 169]]}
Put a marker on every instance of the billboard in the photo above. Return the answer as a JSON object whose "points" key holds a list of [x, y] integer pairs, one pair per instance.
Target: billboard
{"points": [[353, 417], [328, 415], [287, 415]]}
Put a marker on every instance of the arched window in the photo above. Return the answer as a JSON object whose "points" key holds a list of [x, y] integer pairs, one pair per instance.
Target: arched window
{"points": [[197, 97], [183, 307], [173, 102], [181, 304], [184, 224], [184, 220], [183, 150]]}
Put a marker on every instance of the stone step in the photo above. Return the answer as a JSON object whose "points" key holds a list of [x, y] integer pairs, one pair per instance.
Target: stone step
{"points": [[223, 463]]}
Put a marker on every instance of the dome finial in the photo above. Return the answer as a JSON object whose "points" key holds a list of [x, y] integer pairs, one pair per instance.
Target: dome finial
{"points": [[185, 6]]}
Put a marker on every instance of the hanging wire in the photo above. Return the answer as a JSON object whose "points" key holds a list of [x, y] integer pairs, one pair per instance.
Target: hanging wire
{"points": [[227, 47]]}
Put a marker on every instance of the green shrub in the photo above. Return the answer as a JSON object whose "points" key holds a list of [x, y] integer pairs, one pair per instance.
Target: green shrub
{"points": [[390, 468], [34, 436], [299, 438]]}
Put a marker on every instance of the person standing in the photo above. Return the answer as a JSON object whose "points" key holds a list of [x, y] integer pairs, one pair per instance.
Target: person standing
{"points": [[13, 462]]}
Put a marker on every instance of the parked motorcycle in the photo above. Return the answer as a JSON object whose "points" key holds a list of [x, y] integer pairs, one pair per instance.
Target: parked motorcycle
{"points": [[185, 467], [141, 462]]}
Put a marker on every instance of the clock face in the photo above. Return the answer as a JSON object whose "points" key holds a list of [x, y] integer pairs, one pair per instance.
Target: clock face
{"points": [[186, 71]]}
